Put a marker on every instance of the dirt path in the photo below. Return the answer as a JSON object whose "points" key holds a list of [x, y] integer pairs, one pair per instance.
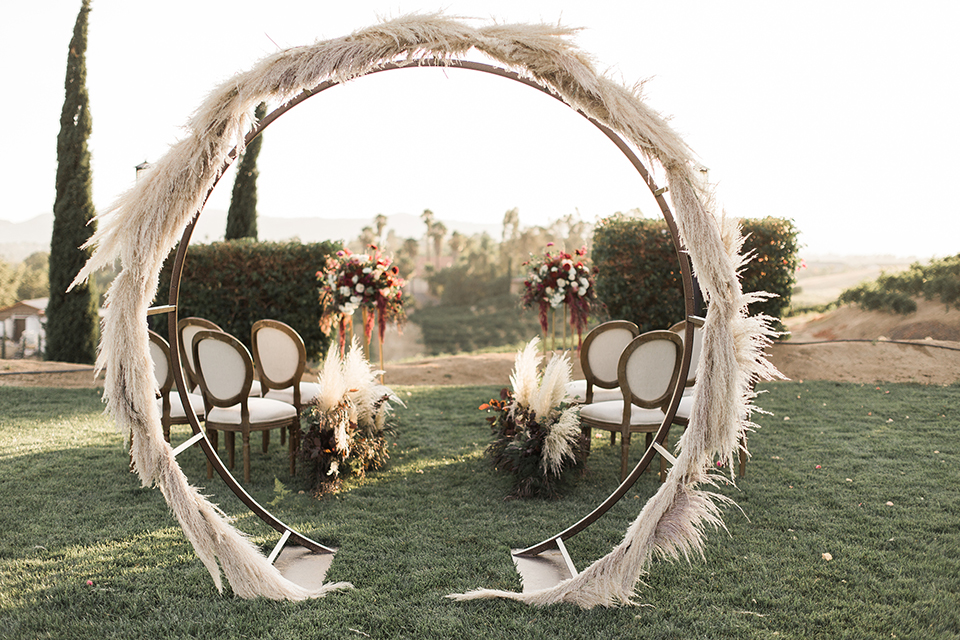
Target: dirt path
{"points": [[936, 360]]}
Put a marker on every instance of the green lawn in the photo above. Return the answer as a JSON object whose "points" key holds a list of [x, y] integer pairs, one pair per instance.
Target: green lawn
{"points": [[883, 503]]}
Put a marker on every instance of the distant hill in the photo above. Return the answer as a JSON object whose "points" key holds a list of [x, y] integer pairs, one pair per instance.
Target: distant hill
{"points": [[20, 239]]}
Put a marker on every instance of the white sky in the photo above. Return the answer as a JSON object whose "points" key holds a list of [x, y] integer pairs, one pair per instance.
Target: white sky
{"points": [[839, 115]]}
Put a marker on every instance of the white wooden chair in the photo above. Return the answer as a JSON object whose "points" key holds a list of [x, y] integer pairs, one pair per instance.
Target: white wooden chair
{"points": [[187, 328], [171, 408], [599, 355], [281, 358], [647, 371], [225, 372]]}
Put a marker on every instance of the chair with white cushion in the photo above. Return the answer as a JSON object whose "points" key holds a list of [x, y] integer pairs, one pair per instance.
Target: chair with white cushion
{"points": [[599, 355], [648, 372], [187, 328], [171, 408], [225, 372], [280, 358]]}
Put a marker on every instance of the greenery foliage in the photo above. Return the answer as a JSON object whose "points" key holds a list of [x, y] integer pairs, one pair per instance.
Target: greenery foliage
{"points": [[238, 282], [773, 244], [896, 292], [329, 454], [639, 275], [26, 280], [434, 522], [484, 323], [72, 321], [242, 213], [519, 439]]}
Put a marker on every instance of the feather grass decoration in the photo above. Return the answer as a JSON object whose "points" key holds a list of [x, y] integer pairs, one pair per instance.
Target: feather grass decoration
{"points": [[345, 430], [145, 223], [537, 437]]}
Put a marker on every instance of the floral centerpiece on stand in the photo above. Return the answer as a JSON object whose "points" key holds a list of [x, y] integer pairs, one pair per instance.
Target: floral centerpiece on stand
{"points": [[556, 279], [537, 435], [368, 282], [345, 430]]}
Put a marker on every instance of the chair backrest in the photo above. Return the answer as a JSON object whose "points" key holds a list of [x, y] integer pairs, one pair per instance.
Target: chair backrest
{"points": [[601, 351], [279, 354], [680, 329], [187, 328], [162, 371], [224, 367], [649, 367]]}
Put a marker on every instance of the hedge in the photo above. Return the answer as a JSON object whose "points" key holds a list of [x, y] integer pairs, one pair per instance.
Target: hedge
{"points": [[237, 282], [897, 292], [639, 274]]}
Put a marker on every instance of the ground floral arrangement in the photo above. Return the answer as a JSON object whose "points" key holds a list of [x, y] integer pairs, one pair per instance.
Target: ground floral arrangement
{"points": [[368, 282], [557, 279], [537, 434], [345, 430]]}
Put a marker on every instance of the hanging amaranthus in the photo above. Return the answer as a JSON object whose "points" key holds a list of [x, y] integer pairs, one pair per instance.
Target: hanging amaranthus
{"points": [[558, 279], [369, 282]]}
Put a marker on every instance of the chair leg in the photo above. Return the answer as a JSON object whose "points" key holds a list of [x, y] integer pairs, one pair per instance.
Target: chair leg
{"points": [[587, 433], [624, 454], [230, 442], [245, 437], [213, 436], [266, 439], [613, 438], [294, 441]]}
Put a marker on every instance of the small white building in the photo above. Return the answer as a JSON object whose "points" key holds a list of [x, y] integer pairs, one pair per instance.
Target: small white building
{"points": [[24, 322]]}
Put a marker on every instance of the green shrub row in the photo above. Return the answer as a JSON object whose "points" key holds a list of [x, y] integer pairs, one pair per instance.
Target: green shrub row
{"points": [[639, 275], [896, 292], [490, 322], [237, 282]]}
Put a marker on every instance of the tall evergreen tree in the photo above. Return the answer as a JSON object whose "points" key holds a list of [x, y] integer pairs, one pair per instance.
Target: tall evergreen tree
{"points": [[242, 214], [72, 317]]}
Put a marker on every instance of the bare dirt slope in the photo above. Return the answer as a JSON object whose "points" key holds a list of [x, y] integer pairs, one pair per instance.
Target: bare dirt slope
{"points": [[815, 351], [934, 359]]}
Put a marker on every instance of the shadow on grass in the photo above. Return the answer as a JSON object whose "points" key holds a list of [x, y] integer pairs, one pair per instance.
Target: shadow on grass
{"points": [[434, 522]]}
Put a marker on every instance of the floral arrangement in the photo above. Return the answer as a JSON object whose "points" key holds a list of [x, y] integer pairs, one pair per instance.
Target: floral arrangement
{"points": [[537, 436], [370, 282], [554, 279], [345, 430]]}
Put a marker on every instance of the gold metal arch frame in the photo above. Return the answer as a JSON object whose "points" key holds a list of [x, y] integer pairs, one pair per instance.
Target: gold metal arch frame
{"points": [[144, 224]]}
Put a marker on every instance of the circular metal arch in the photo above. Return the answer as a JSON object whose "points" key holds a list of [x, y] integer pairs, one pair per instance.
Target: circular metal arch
{"points": [[685, 271]]}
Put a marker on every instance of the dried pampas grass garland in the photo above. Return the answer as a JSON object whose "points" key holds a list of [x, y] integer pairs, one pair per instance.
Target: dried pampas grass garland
{"points": [[146, 222]]}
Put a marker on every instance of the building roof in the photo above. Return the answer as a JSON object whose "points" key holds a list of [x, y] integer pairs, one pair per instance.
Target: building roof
{"points": [[35, 307]]}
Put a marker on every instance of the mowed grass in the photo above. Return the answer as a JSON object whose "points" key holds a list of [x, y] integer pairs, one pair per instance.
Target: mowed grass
{"points": [[865, 473]]}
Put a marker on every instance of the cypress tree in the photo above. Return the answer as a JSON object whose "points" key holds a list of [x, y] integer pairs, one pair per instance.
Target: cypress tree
{"points": [[242, 214], [72, 325]]}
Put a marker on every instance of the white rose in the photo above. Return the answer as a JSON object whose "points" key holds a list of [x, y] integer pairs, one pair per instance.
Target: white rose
{"points": [[360, 288]]}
